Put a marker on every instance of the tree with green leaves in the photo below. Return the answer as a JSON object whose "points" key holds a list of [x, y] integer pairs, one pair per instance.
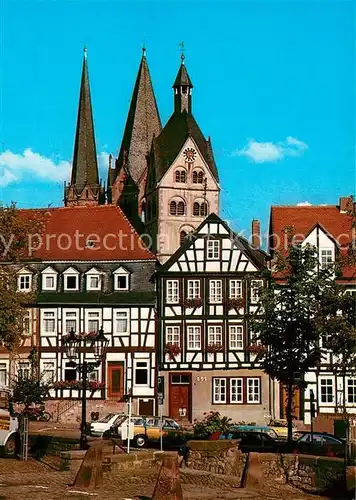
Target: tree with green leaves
{"points": [[286, 337], [15, 228]]}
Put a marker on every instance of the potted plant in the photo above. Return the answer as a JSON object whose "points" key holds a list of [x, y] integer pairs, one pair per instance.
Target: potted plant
{"points": [[172, 350], [212, 425]]}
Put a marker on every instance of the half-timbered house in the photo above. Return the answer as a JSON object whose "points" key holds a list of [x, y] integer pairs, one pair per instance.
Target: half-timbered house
{"points": [[206, 289], [89, 269], [330, 229]]}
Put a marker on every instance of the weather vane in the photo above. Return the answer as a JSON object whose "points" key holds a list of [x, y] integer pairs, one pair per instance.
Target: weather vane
{"points": [[144, 44], [181, 45]]}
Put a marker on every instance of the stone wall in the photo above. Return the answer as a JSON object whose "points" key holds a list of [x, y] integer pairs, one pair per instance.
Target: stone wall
{"points": [[218, 457], [310, 473]]}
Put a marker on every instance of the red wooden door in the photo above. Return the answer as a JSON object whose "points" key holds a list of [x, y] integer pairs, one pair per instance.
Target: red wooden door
{"points": [[115, 380], [180, 396]]}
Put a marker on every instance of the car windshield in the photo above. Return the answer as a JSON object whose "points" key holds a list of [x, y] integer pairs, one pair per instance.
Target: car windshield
{"points": [[107, 418]]}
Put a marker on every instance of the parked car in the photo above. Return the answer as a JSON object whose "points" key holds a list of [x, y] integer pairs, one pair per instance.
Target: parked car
{"points": [[147, 429], [322, 444], [237, 429], [259, 441], [280, 427], [104, 424]]}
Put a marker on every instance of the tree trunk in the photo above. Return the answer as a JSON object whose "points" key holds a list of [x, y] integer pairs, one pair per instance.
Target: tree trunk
{"points": [[290, 392]]}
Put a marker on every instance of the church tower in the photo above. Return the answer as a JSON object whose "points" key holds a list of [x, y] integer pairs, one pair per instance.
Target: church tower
{"points": [[127, 176], [182, 185], [84, 187]]}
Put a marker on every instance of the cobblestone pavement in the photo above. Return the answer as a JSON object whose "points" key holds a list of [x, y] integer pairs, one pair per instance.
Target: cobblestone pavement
{"points": [[37, 481]]}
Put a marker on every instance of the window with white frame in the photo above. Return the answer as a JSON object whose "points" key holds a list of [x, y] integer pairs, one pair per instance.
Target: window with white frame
{"points": [[23, 370], [215, 334], [253, 390], [236, 337], [3, 374], [236, 390], [48, 371], [173, 335], [49, 279], [193, 289], [235, 289], [215, 291], [93, 321], [326, 390], [172, 292], [27, 323], [326, 257], [194, 337], [49, 321], [351, 390], [121, 279], [213, 250], [219, 390], [256, 286], [71, 280], [141, 372], [121, 321], [93, 282], [24, 282], [71, 321], [93, 376]]}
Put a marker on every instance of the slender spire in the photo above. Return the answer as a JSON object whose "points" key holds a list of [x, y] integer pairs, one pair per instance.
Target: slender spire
{"points": [[85, 165], [84, 187], [143, 122]]}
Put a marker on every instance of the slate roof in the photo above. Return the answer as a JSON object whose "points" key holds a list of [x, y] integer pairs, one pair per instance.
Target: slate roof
{"points": [[303, 219], [182, 78], [117, 298], [114, 236], [256, 255], [143, 122], [170, 141], [85, 166]]}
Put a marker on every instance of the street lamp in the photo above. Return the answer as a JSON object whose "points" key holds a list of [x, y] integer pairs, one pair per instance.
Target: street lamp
{"points": [[72, 344]]}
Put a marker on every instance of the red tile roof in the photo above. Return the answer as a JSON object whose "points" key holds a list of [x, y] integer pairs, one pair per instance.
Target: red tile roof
{"points": [[302, 219], [67, 230]]}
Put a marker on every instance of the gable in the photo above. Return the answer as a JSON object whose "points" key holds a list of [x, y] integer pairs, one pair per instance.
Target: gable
{"points": [[93, 270], [319, 238], [168, 179], [71, 270], [235, 255], [49, 270], [121, 270]]}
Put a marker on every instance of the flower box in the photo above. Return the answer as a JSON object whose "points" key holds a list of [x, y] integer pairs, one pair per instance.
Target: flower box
{"points": [[77, 385], [193, 303], [172, 350], [211, 348], [235, 303], [257, 349]]}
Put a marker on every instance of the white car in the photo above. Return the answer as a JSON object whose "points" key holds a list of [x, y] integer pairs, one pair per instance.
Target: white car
{"points": [[98, 427]]}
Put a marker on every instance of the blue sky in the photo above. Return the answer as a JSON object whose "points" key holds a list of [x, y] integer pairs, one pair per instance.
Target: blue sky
{"points": [[274, 87]]}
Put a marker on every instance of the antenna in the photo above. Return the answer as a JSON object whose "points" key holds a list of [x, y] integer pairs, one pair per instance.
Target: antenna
{"points": [[182, 49]]}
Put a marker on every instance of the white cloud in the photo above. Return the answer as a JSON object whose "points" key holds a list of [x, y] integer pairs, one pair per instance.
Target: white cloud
{"points": [[103, 164], [14, 167], [263, 152], [304, 204]]}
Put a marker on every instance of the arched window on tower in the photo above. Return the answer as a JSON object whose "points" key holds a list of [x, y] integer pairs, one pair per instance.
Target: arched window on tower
{"points": [[182, 237], [173, 208], [200, 177], [203, 209], [180, 208], [196, 209], [180, 176]]}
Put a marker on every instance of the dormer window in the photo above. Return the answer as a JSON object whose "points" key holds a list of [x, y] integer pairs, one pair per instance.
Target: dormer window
{"points": [[326, 257], [71, 280], [180, 176], [49, 279], [24, 280], [121, 279], [93, 279]]}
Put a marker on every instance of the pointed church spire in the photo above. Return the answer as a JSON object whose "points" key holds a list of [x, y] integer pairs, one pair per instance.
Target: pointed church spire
{"points": [[85, 174], [143, 122], [182, 88]]}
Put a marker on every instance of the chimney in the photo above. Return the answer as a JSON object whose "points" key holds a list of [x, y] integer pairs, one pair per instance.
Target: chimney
{"points": [[346, 203], [256, 233]]}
